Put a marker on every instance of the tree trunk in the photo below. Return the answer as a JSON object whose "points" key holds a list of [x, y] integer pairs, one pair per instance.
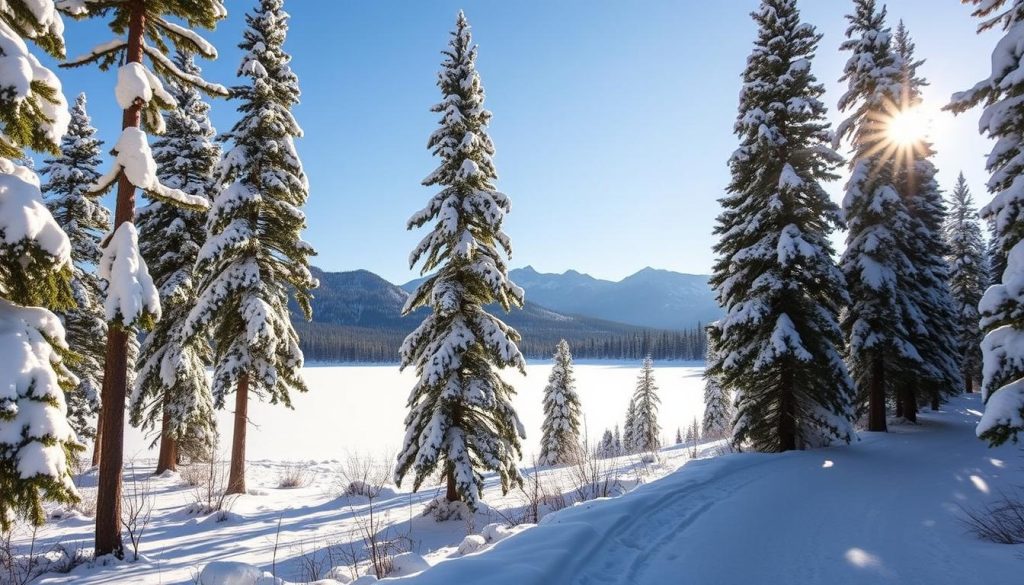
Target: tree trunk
{"points": [[936, 401], [451, 494], [899, 406], [115, 371], [96, 450], [908, 401], [787, 419], [236, 477], [168, 458], [876, 397]]}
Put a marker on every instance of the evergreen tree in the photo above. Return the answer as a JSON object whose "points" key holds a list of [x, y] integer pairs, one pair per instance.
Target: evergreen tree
{"points": [[775, 275], [85, 220], [881, 352], [606, 448], [928, 285], [646, 432], [617, 448], [37, 445], [461, 416], [629, 440], [561, 428], [143, 30], [968, 278], [1002, 317], [254, 254], [718, 405], [679, 436], [172, 389]]}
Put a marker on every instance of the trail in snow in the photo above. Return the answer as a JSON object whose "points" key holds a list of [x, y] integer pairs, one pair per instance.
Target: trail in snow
{"points": [[884, 510]]}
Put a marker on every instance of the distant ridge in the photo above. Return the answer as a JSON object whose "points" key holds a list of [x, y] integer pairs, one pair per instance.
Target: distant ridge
{"points": [[357, 317]]}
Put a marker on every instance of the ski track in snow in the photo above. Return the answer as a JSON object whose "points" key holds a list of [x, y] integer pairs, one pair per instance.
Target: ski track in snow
{"points": [[884, 510]]}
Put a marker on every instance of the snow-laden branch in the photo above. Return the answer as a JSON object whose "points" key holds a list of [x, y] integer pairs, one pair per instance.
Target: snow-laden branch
{"points": [[134, 157]]}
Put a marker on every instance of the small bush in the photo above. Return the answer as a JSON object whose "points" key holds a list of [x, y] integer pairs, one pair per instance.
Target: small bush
{"points": [[1001, 521], [295, 475]]}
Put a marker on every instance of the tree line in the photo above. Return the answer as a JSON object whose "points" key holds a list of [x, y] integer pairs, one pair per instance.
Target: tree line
{"points": [[340, 344]]}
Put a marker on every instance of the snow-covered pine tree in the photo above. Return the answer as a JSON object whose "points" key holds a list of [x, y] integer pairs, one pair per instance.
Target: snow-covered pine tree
{"points": [[775, 275], [85, 220], [718, 404], [679, 436], [254, 254], [606, 448], [617, 448], [37, 445], [646, 431], [561, 427], [880, 350], [142, 30], [172, 390], [461, 416], [968, 278], [629, 429], [935, 330], [1002, 317]]}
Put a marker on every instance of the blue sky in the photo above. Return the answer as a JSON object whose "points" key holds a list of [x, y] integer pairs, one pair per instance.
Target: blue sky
{"points": [[612, 119]]}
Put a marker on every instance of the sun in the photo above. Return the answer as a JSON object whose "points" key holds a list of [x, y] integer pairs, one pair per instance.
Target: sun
{"points": [[908, 127]]}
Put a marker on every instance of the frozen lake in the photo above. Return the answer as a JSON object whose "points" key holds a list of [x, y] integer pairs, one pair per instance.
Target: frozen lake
{"points": [[360, 409]]}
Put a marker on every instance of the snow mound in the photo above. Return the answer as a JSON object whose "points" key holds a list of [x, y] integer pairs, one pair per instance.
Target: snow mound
{"points": [[408, 563], [471, 544]]}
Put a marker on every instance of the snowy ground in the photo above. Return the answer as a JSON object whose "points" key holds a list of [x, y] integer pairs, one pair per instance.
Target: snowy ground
{"points": [[352, 412], [361, 409], [885, 510]]}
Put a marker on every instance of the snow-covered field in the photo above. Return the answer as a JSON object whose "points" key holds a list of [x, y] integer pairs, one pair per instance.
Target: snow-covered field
{"points": [[361, 409], [884, 510]]}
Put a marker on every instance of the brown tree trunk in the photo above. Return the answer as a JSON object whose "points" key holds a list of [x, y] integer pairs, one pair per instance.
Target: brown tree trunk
{"points": [[787, 418], [876, 397], [236, 477], [451, 494], [168, 458], [115, 371], [96, 450]]}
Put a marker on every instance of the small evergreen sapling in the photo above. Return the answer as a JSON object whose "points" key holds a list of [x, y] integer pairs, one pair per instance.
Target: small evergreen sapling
{"points": [[561, 428], [646, 431]]}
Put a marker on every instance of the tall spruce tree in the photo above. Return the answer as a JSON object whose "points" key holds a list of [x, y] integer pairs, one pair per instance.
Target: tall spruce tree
{"points": [[718, 406], [172, 390], [83, 217], [37, 445], [561, 427], [254, 254], [646, 431], [880, 349], [461, 416], [1002, 317], [775, 275], [934, 321], [132, 302], [968, 278]]}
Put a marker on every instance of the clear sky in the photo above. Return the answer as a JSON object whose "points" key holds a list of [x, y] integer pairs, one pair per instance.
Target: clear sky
{"points": [[612, 119]]}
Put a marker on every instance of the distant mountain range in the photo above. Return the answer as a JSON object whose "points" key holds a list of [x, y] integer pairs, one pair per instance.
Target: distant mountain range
{"points": [[357, 314]]}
